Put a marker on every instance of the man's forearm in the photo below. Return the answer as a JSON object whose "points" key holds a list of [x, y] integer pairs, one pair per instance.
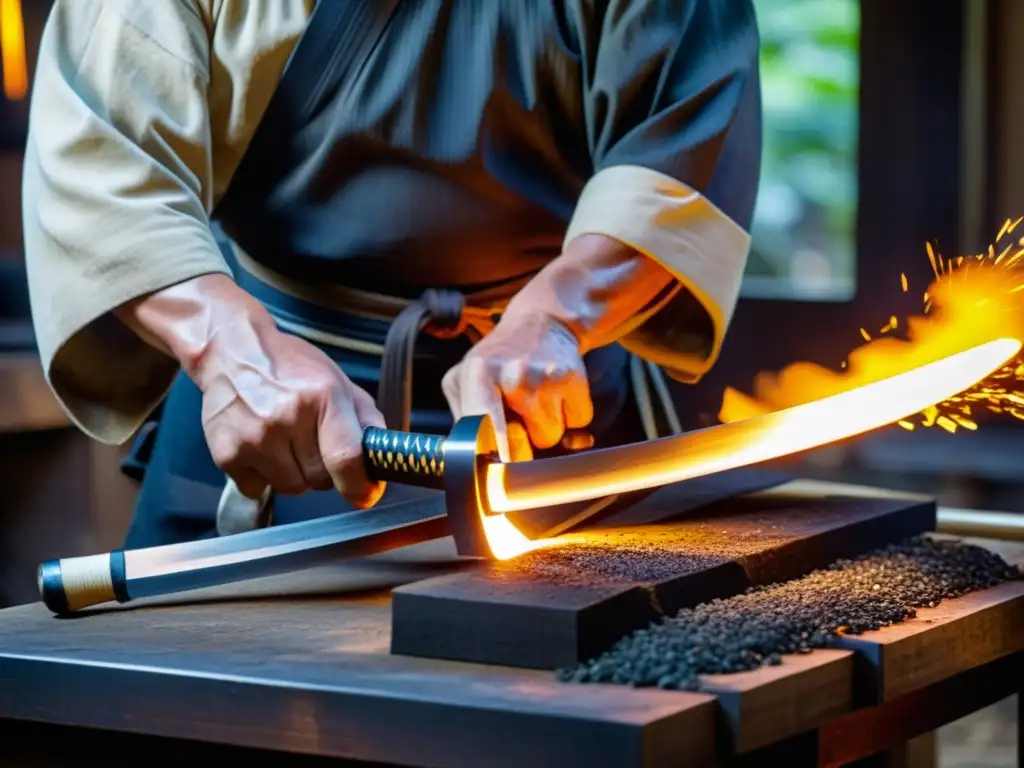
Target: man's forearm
{"points": [[185, 320], [595, 287]]}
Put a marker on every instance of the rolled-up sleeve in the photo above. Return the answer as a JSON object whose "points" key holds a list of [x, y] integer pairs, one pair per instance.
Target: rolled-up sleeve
{"points": [[674, 124], [117, 192]]}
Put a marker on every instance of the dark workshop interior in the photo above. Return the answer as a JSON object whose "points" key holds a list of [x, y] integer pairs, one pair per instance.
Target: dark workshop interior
{"points": [[888, 125]]}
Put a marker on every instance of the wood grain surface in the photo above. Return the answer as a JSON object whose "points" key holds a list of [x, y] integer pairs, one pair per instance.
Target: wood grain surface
{"points": [[939, 642], [301, 664], [901, 667], [774, 703]]}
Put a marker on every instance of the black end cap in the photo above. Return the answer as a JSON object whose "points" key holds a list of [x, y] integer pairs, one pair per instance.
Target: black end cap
{"points": [[51, 587]]}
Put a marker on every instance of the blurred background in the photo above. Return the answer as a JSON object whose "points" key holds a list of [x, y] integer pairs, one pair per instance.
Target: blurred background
{"points": [[805, 222], [887, 124]]}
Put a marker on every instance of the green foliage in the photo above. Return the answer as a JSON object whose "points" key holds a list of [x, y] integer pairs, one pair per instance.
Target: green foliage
{"points": [[810, 79]]}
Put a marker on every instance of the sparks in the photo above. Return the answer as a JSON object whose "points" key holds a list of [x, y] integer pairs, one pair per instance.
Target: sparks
{"points": [[969, 300]]}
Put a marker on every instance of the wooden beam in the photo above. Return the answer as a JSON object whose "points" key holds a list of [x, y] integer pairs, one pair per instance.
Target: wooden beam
{"points": [[770, 704], [948, 662], [941, 642], [875, 730]]}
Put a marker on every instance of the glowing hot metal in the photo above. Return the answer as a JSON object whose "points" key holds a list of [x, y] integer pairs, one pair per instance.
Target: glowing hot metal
{"points": [[583, 476]]}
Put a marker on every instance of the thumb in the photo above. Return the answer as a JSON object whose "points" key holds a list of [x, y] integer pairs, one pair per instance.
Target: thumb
{"points": [[485, 400], [341, 446], [479, 395]]}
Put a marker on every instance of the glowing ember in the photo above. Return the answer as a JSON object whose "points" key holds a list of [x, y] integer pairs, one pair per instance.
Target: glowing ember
{"points": [[971, 301], [506, 541]]}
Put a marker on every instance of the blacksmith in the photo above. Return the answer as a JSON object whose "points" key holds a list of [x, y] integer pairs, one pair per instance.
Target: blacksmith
{"points": [[250, 223]]}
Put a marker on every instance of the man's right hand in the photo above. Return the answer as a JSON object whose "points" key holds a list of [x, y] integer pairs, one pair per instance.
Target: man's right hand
{"points": [[276, 411]]}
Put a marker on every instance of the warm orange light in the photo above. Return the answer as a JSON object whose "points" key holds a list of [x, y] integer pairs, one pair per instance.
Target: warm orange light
{"points": [[595, 474], [506, 541], [962, 353], [12, 50], [970, 301]]}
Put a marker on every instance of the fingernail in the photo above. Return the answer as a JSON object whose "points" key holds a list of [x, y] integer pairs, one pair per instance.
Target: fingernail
{"points": [[577, 440]]}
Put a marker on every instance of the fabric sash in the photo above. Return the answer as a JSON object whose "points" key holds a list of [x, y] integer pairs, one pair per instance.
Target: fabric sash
{"points": [[442, 314]]}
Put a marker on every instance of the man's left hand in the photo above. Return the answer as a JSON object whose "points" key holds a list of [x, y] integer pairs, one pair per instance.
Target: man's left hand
{"points": [[531, 365]]}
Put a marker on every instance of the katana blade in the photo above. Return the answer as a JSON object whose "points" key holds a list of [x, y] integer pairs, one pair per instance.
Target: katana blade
{"points": [[639, 466], [71, 584]]}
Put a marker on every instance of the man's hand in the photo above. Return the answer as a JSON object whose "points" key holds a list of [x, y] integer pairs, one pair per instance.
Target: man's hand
{"points": [[532, 364], [277, 411]]}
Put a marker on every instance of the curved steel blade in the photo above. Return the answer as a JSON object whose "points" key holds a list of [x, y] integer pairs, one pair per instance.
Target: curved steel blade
{"points": [[609, 471]]}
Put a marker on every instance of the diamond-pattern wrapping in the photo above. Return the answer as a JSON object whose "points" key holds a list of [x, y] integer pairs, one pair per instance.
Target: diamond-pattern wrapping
{"points": [[392, 455]]}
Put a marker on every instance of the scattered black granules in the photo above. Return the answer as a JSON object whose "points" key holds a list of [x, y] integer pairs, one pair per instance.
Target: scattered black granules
{"points": [[745, 631], [648, 555]]}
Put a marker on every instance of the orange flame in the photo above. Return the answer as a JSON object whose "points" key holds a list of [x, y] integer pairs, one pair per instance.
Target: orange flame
{"points": [[969, 302]]}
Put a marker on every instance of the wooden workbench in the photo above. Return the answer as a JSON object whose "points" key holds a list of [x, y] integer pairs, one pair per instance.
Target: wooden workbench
{"points": [[299, 668]]}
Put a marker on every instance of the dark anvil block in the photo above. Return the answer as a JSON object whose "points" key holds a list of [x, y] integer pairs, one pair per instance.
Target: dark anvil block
{"points": [[557, 606]]}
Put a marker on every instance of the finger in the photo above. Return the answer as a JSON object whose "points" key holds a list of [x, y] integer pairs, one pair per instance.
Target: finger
{"points": [[274, 460], [366, 409], [249, 482], [516, 387], [543, 413], [369, 416], [305, 447], [537, 399], [234, 455], [479, 395], [450, 387], [340, 437], [519, 445], [306, 450], [577, 403]]}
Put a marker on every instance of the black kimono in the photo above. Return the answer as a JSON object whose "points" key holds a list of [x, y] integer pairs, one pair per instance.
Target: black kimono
{"points": [[457, 145]]}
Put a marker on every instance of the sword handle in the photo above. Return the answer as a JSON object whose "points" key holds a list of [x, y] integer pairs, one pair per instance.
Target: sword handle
{"points": [[408, 458], [73, 583], [412, 458]]}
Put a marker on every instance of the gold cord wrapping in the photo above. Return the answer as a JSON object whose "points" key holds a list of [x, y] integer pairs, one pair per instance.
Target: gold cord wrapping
{"points": [[403, 454], [87, 581]]}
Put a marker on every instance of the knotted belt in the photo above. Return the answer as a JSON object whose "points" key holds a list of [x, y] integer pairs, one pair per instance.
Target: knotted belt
{"points": [[443, 314]]}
